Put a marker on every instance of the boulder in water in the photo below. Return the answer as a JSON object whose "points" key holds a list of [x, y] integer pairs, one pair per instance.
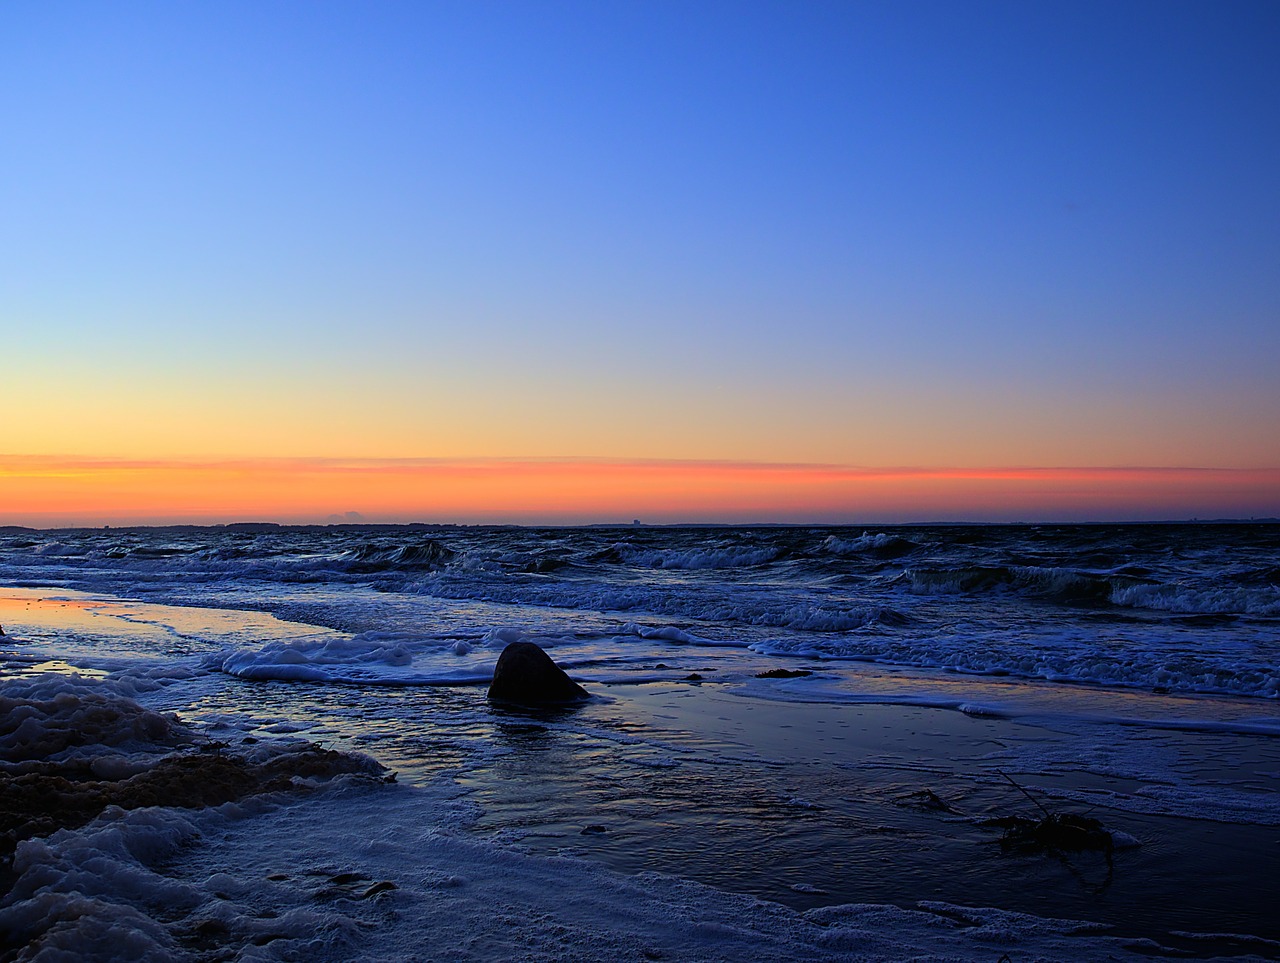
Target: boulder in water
{"points": [[526, 675]]}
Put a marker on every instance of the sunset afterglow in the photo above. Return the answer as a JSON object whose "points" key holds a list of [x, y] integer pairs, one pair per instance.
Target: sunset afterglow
{"points": [[593, 262], [43, 492]]}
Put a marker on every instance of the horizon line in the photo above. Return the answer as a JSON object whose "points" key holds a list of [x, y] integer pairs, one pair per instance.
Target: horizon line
{"points": [[637, 523], [69, 492]]}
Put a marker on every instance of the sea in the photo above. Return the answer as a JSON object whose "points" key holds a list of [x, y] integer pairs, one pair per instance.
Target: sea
{"points": [[802, 742]]}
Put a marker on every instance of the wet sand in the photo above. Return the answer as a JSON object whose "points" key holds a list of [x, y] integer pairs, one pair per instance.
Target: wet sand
{"points": [[844, 803], [747, 787]]}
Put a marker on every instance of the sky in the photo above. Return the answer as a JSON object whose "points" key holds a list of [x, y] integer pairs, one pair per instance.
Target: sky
{"points": [[581, 262]]}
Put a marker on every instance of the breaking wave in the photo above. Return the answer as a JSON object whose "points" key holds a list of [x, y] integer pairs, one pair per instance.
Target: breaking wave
{"points": [[697, 558], [880, 545], [1124, 590]]}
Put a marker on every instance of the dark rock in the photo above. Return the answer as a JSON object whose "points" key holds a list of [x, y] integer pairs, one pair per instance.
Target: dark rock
{"points": [[783, 674], [526, 675], [693, 677], [594, 830]]}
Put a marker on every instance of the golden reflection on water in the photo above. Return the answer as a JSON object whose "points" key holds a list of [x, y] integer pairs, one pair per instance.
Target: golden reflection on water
{"points": [[43, 610]]}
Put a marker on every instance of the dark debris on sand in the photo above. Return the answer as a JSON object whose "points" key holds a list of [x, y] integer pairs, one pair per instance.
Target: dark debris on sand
{"points": [[929, 801], [1055, 832], [1064, 832]]}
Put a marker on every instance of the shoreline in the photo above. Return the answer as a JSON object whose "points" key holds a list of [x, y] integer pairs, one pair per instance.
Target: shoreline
{"points": [[860, 786], [766, 798]]}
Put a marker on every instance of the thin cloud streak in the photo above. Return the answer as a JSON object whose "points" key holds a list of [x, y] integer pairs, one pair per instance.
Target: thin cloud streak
{"points": [[49, 491]]}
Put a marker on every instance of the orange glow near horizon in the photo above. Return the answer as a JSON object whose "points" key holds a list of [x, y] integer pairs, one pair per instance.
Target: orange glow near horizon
{"points": [[54, 492]]}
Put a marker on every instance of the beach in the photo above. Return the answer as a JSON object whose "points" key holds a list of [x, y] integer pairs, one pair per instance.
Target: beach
{"points": [[696, 482], [702, 805]]}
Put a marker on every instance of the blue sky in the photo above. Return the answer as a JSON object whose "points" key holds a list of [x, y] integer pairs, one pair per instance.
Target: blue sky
{"points": [[928, 234]]}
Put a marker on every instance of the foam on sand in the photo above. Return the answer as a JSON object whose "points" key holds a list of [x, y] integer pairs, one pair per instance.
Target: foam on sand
{"points": [[352, 867], [364, 873]]}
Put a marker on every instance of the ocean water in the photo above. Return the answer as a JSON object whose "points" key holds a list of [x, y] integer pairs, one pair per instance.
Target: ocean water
{"points": [[951, 675]]}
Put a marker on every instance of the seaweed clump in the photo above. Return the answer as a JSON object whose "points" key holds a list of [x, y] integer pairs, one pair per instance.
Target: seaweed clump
{"points": [[1066, 837], [1064, 832], [1054, 832]]}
